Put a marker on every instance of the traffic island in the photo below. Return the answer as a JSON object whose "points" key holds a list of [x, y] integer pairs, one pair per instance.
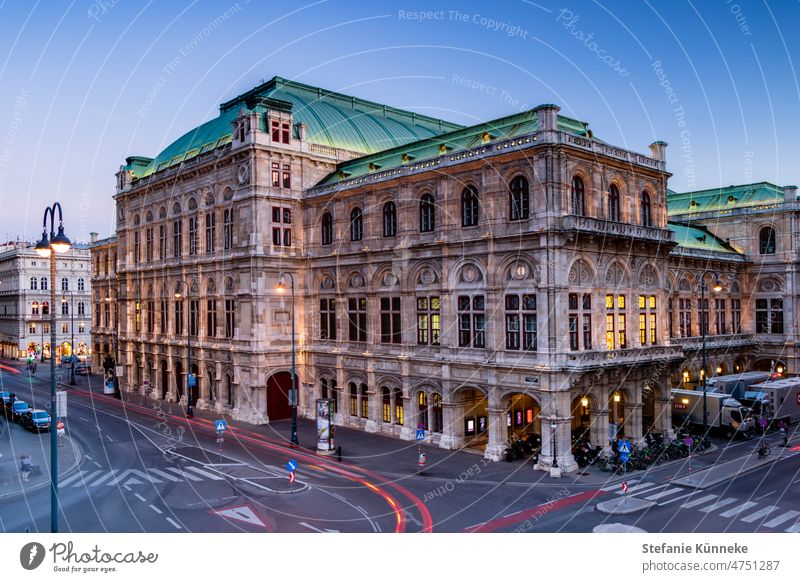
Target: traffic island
{"points": [[624, 505], [617, 528]]}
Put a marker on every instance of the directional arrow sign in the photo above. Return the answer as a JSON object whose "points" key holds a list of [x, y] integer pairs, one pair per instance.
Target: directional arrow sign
{"points": [[243, 513], [291, 466]]}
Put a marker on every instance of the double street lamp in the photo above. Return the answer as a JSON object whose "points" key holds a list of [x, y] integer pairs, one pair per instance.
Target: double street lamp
{"points": [[117, 393], [49, 246], [293, 391], [189, 378], [703, 326]]}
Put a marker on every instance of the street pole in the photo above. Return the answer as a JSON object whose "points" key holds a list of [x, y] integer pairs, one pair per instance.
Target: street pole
{"points": [[72, 341], [294, 395], [553, 427], [43, 332], [703, 369], [189, 411], [56, 243]]}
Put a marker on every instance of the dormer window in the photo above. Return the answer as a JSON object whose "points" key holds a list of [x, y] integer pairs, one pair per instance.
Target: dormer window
{"points": [[281, 131]]}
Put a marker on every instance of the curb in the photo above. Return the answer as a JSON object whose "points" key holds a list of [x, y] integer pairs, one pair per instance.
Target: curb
{"points": [[61, 475], [623, 506]]}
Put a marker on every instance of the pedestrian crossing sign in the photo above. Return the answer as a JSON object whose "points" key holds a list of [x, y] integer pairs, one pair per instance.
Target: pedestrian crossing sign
{"points": [[420, 434], [624, 447], [221, 425]]}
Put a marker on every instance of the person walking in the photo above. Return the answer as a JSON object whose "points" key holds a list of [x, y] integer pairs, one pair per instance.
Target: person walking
{"points": [[784, 434], [25, 466]]}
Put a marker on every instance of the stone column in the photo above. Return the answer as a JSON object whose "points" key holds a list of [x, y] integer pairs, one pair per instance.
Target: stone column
{"points": [[171, 391], [664, 417], [375, 403], [598, 432], [497, 442], [633, 421], [408, 432], [452, 435]]}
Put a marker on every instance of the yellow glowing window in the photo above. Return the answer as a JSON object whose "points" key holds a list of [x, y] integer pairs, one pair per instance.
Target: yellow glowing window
{"points": [[642, 301], [609, 302], [621, 301], [652, 302], [643, 329], [610, 332]]}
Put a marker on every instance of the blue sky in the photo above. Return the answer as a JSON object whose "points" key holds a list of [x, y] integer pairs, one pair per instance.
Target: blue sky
{"points": [[83, 84]]}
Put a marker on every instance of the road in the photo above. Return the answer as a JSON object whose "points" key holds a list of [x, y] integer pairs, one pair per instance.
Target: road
{"points": [[146, 468]]}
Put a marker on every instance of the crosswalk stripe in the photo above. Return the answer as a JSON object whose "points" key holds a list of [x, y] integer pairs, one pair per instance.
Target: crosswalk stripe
{"points": [[718, 504], [104, 478], [164, 474], [760, 513], [86, 479], [211, 476], [738, 509], [678, 498], [794, 529], [664, 493], [642, 488], [184, 474], [699, 501], [618, 485], [785, 516], [69, 480]]}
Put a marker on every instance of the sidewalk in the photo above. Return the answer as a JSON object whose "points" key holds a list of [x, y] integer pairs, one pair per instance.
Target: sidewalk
{"points": [[14, 441]]}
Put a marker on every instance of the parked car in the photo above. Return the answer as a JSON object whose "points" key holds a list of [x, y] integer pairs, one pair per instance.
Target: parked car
{"points": [[5, 398], [19, 408], [83, 369], [70, 360], [35, 420]]}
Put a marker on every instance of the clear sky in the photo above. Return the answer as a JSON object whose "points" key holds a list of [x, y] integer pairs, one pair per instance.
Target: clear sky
{"points": [[83, 84]]}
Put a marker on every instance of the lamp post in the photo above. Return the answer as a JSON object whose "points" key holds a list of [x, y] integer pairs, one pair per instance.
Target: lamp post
{"points": [[293, 393], [553, 427], [49, 246], [189, 411], [42, 326], [703, 325], [117, 393], [72, 331]]}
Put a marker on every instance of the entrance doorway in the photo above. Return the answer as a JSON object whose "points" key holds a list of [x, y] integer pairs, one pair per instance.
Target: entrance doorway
{"points": [[278, 387], [522, 416]]}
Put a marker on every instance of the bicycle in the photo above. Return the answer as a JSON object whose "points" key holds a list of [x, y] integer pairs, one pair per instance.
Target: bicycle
{"points": [[764, 451]]}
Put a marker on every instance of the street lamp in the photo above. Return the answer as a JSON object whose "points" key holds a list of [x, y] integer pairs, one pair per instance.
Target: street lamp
{"points": [[553, 427], [72, 331], [703, 325], [117, 393], [282, 289], [189, 411], [49, 246]]}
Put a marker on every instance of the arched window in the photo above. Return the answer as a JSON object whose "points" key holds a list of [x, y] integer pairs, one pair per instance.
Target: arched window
{"points": [[386, 409], [34, 284], [64, 307], [518, 198], [469, 206], [34, 308], [436, 420], [43, 283], [230, 393], [81, 308], [613, 203], [766, 241], [64, 284], [356, 224], [323, 392], [364, 402], [422, 401], [647, 215], [577, 196], [399, 411], [327, 228], [427, 214], [81, 284], [45, 308], [353, 399], [389, 219]]}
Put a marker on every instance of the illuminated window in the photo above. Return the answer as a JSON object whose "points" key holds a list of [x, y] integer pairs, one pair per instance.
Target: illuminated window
{"points": [[428, 321]]}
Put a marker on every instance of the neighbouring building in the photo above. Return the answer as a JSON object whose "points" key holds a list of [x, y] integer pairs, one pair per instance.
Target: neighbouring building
{"points": [[516, 276], [104, 298], [25, 297]]}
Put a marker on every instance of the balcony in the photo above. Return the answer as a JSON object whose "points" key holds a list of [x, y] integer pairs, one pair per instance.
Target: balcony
{"points": [[630, 356], [714, 341], [605, 228]]}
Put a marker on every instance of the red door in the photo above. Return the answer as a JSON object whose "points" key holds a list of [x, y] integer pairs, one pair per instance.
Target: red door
{"points": [[278, 387]]}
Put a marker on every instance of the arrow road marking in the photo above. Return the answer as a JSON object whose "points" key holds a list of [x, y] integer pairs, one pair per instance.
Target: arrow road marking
{"points": [[244, 513], [164, 475]]}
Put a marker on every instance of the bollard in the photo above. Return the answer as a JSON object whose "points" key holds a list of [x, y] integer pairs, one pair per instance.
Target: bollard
{"points": [[339, 453]]}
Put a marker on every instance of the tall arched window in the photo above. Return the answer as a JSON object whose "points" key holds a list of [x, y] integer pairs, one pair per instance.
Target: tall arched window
{"points": [[327, 228], [422, 402], [389, 219], [34, 308], [386, 408], [364, 402], [82, 284], [81, 308], [766, 241], [647, 214], [399, 411], [427, 214], [34, 284], [613, 203], [469, 206], [437, 418], [577, 197], [43, 283], [64, 284], [518, 198], [64, 307], [356, 224], [45, 308]]}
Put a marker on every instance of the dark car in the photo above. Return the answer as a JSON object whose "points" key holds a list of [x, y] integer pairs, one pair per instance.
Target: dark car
{"points": [[19, 408], [83, 369], [5, 398], [36, 420]]}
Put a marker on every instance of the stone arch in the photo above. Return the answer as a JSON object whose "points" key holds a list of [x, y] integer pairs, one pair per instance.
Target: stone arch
{"points": [[386, 277], [326, 281], [162, 212], [769, 284], [176, 208], [518, 268], [686, 283], [580, 274], [192, 204], [211, 286], [148, 217], [355, 278], [423, 274], [467, 273], [648, 277], [617, 275]]}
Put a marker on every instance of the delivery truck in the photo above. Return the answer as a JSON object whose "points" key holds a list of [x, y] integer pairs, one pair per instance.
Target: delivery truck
{"points": [[738, 387], [726, 415], [780, 398]]}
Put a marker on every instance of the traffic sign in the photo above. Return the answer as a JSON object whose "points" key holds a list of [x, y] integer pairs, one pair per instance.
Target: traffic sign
{"points": [[220, 425], [420, 434], [119, 371], [688, 441], [192, 381], [624, 486], [624, 448], [60, 429], [291, 466], [291, 476]]}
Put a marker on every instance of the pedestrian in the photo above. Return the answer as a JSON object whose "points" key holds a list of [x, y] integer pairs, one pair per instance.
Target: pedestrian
{"points": [[784, 435], [25, 466]]}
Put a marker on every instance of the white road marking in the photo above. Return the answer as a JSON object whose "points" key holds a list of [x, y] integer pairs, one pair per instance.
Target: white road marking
{"points": [[184, 474], [785, 516], [140, 498], [664, 493], [794, 529], [643, 487], [156, 509], [617, 485], [760, 513], [211, 476], [104, 478], [765, 495], [410, 517], [304, 524], [718, 504], [69, 480], [678, 498], [738, 509], [96, 464], [164, 474], [109, 438], [172, 521], [128, 488], [85, 480], [699, 501]]}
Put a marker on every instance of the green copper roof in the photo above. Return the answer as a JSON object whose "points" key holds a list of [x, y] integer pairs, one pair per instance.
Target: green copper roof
{"points": [[449, 143], [695, 237], [333, 119], [718, 199]]}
